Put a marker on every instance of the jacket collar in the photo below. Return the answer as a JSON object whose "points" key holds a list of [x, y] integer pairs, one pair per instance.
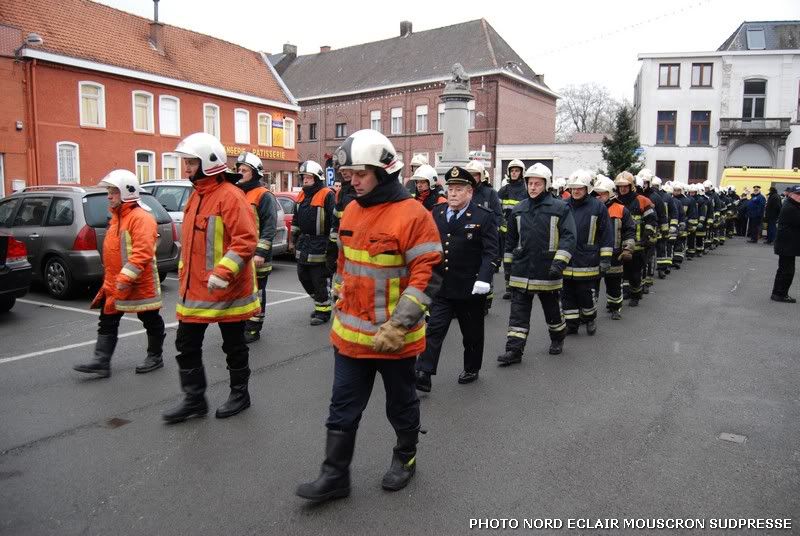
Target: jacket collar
{"points": [[207, 185]]}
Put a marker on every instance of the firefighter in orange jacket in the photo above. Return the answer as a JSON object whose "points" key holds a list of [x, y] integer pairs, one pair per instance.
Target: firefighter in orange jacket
{"points": [[388, 246], [130, 282], [216, 279]]}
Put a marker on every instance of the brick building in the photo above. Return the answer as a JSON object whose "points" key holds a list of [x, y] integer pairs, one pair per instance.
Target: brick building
{"points": [[107, 89], [394, 86]]}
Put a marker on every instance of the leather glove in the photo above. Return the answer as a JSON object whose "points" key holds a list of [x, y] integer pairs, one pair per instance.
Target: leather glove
{"points": [[626, 255], [216, 283], [389, 338], [605, 266], [481, 288], [556, 269], [123, 286]]}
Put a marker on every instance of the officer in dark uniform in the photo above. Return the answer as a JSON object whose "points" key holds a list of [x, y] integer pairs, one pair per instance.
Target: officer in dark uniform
{"points": [[470, 242]]}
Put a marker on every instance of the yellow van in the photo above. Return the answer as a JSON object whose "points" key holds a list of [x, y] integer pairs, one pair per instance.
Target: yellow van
{"points": [[741, 178]]}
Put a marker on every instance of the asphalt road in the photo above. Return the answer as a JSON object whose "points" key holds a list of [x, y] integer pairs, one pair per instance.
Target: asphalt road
{"points": [[625, 424]]}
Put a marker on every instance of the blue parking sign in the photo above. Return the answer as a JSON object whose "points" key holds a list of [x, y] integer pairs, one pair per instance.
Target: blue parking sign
{"points": [[330, 175]]}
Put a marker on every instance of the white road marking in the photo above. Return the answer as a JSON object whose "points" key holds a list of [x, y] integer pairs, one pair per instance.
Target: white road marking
{"points": [[736, 286], [122, 335], [73, 309]]}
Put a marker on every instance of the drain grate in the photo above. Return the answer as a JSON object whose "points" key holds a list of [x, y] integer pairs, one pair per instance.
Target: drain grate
{"points": [[732, 438], [116, 422]]}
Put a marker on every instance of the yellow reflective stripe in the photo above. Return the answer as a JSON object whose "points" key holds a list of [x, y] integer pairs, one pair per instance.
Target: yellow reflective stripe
{"points": [[503, 229], [129, 273], [365, 339], [553, 245], [394, 294], [216, 313], [229, 264], [381, 259], [517, 334], [592, 230]]}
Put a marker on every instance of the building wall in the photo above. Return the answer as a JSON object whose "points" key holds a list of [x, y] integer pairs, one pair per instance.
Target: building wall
{"points": [[13, 142], [524, 116]]}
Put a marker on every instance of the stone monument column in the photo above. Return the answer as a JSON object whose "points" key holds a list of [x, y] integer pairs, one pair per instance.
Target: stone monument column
{"points": [[455, 144]]}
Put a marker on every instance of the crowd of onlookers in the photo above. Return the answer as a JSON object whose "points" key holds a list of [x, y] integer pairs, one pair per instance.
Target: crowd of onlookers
{"points": [[755, 212]]}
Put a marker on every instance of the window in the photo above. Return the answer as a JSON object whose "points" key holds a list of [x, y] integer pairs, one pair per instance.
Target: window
{"points": [[241, 126], [265, 129], [755, 39], [144, 166], [142, 111], [287, 205], [397, 120], [32, 211], [438, 159], [665, 135], [700, 128], [665, 169], [68, 163], [702, 74], [61, 212], [288, 133], [375, 120], [93, 104], [211, 119], [7, 211], [698, 171], [341, 130], [441, 117], [422, 118], [170, 164], [312, 131], [172, 198], [169, 115], [755, 94], [471, 109], [669, 75]]}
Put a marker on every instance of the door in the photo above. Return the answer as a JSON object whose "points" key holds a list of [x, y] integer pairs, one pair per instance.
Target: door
{"points": [[28, 225]]}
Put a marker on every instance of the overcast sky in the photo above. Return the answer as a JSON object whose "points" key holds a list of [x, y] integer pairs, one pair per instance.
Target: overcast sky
{"points": [[569, 41]]}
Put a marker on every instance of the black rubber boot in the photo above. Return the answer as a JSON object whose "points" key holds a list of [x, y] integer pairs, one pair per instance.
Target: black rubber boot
{"points": [[154, 359], [318, 319], [662, 274], [423, 381], [193, 383], [239, 399], [591, 327], [556, 347], [252, 331], [404, 462], [509, 358], [334, 477], [103, 350]]}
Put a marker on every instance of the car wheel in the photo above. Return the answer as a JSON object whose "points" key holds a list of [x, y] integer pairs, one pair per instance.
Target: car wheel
{"points": [[162, 276], [58, 278], [6, 303]]}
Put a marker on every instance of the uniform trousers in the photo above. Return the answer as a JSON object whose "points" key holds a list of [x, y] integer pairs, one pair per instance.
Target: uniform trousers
{"points": [[691, 244], [663, 257], [632, 273], [314, 278], [109, 323], [469, 314], [613, 282], [649, 268], [255, 322], [520, 319], [784, 275], [577, 300], [189, 343]]}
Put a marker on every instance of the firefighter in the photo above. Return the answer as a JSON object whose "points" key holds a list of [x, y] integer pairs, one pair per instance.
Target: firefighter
{"points": [[485, 196], [690, 209], [644, 188], [417, 161], [470, 243], [703, 218], [539, 245], [429, 193], [594, 246], [265, 209], [343, 198], [624, 242], [510, 195], [674, 214], [311, 227], [130, 279], [217, 283], [644, 217], [662, 206], [389, 246]]}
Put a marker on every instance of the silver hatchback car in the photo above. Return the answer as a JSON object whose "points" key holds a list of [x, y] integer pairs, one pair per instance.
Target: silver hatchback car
{"points": [[63, 228]]}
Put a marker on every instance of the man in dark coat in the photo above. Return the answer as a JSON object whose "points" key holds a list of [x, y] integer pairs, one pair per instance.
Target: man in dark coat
{"points": [[755, 213], [771, 213], [787, 245]]}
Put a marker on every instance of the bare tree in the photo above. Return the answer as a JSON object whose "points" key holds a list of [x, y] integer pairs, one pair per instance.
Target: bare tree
{"points": [[585, 108]]}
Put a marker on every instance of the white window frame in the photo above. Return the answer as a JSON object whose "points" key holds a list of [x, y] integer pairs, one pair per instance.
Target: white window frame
{"points": [[177, 158], [101, 104], [218, 134], [289, 140], [151, 117], [77, 168], [268, 141], [152, 164], [422, 118], [471, 111], [440, 116], [238, 136], [375, 116], [397, 113], [161, 129]]}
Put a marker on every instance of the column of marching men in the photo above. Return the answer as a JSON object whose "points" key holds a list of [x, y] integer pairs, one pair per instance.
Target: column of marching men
{"points": [[391, 266]]}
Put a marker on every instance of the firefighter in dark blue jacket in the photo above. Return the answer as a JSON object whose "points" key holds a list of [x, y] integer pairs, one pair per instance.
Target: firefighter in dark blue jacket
{"points": [[641, 209], [594, 246], [539, 245], [690, 210], [469, 240], [703, 217], [514, 191], [675, 216]]}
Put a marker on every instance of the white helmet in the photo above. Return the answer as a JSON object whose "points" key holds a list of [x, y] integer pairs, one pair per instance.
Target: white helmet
{"points": [[677, 185], [541, 171], [517, 164], [731, 189], [656, 181], [255, 163], [581, 178], [624, 178], [208, 149], [368, 148], [603, 184], [559, 183], [667, 187], [425, 173], [127, 184], [640, 181], [419, 160], [708, 185], [474, 166], [645, 174], [693, 188], [309, 167]]}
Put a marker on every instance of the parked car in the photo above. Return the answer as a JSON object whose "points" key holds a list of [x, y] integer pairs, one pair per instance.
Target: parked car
{"points": [[15, 270], [287, 200], [173, 195], [63, 228]]}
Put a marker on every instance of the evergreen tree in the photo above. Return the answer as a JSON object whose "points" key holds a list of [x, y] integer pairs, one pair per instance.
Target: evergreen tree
{"points": [[621, 150]]}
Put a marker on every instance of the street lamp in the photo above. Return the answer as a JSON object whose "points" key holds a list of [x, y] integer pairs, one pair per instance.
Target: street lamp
{"points": [[31, 40]]}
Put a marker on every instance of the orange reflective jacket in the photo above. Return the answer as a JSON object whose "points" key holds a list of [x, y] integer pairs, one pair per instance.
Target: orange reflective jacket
{"points": [[385, 270], [219, 237], [129, 261]]}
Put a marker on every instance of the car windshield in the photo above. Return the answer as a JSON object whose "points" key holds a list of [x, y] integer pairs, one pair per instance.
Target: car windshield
{"points": [[173, 198], [95, 208]]}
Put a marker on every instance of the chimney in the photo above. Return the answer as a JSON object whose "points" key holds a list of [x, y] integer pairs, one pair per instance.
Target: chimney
{"points": [[324, 48], [289, 55], [405, 28], [156, 31], [290, 50]]}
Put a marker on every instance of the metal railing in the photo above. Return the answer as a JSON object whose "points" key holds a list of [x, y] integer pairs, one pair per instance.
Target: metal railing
{"points": [[771, 124]]}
